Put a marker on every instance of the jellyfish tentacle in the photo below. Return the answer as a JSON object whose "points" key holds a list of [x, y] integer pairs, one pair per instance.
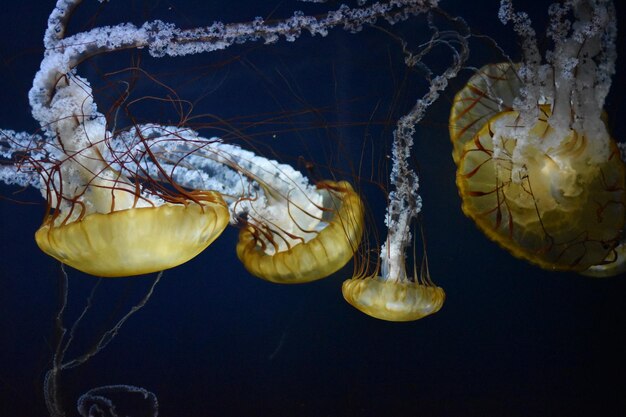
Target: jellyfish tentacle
{"points": [[60, 363], [96, 401]]}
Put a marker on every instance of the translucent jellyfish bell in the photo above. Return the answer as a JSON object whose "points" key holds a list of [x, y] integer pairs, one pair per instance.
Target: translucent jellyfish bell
{"points": [[559, 209], [393, 295], [393, 300], [314, 239], [137, 240]]}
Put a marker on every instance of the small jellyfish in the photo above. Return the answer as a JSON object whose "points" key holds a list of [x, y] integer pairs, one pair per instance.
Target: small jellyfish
{"points": [[401, 298], [393, 295]]}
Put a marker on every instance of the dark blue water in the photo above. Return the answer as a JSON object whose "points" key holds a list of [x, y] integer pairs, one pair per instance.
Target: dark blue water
{"points": [[511, 339]]}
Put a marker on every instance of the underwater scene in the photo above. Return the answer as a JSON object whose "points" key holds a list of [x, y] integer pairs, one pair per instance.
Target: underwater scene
{"points": [[312, 208]]}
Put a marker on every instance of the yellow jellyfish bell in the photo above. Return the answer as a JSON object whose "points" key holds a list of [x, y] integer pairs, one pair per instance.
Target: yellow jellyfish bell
{"points": [[559, 209], [315, 253], [136, 240], [393, 300]]}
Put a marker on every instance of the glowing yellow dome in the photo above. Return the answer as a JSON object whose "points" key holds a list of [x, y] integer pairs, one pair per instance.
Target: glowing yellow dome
{"points": [[137, 240], [393, 300], [325, 253], [490, 91], [559, 208]]}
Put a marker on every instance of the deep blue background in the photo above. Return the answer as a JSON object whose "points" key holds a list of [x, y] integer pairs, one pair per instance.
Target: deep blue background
{"points": [[511, 339]]}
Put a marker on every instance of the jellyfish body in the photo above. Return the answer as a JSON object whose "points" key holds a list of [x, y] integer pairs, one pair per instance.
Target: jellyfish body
{"points": [[305, 246], [138, 240], [393, 295], [102, 222], [393, 300], [561, 209], [537, 170]]}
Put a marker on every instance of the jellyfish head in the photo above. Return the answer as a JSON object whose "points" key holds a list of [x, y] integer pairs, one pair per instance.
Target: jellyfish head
{"points": [[393, 300], [552, 197], [302, 235]]}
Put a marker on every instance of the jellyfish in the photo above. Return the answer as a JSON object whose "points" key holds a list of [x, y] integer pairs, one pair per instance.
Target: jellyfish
{"points": [[536, 168], [305, 254], [394, 295], [399, 297], [100, 221], [102, 225]]}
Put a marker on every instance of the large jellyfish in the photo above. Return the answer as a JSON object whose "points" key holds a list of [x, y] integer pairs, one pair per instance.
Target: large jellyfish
{"points": [[537, 169]]}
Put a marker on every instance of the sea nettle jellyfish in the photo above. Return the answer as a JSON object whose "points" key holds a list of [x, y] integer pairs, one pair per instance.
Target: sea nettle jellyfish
{"points": [[102, 222], [391, 293], [537, 170]]}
